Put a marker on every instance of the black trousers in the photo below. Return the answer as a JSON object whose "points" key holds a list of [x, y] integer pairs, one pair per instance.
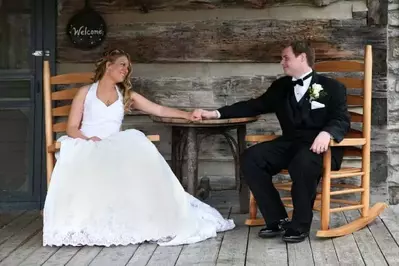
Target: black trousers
{"points": [[260, 162]]}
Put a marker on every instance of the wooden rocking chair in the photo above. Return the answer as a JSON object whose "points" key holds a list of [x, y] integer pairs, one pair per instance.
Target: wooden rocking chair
{"points": [[67, 94], [356, 143]]}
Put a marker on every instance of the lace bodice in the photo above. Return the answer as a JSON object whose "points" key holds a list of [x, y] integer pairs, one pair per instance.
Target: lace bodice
{"points": [[98, 119]]}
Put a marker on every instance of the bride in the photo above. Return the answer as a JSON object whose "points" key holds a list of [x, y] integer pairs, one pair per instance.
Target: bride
{"points": [[113, 187]]}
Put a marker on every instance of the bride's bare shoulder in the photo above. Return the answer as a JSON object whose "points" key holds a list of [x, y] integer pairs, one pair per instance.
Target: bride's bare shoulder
{"points": [[85, 88], [82, 92]]}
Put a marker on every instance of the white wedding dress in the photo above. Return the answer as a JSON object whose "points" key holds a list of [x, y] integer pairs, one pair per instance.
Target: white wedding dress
{"points": [[120, 190]]}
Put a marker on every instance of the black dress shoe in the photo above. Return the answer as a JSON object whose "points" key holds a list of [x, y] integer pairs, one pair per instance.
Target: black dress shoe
{"points": [[295, 236], [274, 229]]}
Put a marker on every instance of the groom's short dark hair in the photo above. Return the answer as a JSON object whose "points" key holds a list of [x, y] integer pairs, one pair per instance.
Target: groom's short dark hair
{"points": [[299, 47]]}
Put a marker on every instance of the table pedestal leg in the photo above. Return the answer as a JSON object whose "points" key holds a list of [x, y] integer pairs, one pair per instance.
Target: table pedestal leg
{"points": [[243, 187], [192, 161]]}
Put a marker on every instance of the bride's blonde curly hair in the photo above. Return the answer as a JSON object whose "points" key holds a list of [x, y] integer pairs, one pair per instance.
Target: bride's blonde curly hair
{"points": [[101, 66]]}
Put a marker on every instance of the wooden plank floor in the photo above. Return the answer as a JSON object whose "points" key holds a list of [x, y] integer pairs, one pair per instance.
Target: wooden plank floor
{"points": [[377, 244]]}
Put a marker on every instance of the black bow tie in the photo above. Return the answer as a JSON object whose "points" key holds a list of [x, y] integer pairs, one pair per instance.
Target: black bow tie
{"points": [[300, 81], [297, 82]]}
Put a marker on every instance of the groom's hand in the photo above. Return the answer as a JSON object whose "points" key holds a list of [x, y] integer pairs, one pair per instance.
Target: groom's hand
{"points": [[321, 142], [209, 114]]}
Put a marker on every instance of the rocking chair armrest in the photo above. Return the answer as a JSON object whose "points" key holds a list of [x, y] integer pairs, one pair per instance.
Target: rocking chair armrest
{"points": [[54, 147], [348, 142], [153, 137], [260, 138]]}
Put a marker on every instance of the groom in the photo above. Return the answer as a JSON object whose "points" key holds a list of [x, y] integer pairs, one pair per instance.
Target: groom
{"points": [[312, 110]]}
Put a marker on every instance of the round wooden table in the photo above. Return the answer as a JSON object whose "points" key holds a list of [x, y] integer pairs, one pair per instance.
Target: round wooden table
{"points": [[186, 138]]}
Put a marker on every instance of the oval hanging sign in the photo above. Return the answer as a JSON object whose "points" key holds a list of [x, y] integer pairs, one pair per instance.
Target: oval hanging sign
{"points": [[86, 29]]}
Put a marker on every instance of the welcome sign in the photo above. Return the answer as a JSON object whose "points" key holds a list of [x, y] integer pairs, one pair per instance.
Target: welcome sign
{"points": [[86, 29]]}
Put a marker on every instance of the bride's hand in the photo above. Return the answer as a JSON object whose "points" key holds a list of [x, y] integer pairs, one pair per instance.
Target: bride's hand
{"points": [[95, 138]]}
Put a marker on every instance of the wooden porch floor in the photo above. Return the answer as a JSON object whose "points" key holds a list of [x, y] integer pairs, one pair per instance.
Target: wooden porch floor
{"points": [[377, 244]]}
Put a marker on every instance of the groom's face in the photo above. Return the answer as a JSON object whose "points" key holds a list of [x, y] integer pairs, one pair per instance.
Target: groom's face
{"points": [[291, 64]]}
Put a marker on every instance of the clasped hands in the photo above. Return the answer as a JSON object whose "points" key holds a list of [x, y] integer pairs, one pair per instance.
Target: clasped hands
{"points": [[320, 144], [199, 114]]}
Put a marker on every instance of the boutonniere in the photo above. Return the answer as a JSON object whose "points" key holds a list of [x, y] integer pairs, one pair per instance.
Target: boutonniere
{"points": [[316, 91]]}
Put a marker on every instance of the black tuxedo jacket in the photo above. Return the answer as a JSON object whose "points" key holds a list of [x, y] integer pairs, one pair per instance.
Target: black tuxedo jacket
{"points": [[333, 118]]}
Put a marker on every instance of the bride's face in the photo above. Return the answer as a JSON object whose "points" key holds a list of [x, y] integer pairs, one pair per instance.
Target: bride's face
{"points": [[118, 69]]}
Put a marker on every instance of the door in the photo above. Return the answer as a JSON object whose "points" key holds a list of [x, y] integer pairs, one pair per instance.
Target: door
{"points": [[22, 40]]}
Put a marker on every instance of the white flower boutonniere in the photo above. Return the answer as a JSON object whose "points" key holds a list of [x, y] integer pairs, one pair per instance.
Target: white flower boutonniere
{"points": [[316, 91]]}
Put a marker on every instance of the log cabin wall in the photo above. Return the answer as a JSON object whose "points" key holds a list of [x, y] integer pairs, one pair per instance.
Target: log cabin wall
{"points": [[210, 53]]}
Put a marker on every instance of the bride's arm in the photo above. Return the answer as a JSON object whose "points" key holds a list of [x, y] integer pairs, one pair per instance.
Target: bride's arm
{"points": [[141, 103], [76, 114]]}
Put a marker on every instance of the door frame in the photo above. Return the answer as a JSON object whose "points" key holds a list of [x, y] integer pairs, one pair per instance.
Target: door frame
{"points": [[49, 43], [43, 38]]}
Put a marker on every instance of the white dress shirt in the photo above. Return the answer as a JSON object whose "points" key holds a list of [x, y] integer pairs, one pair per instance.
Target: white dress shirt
{"points": [[301, 90]]}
